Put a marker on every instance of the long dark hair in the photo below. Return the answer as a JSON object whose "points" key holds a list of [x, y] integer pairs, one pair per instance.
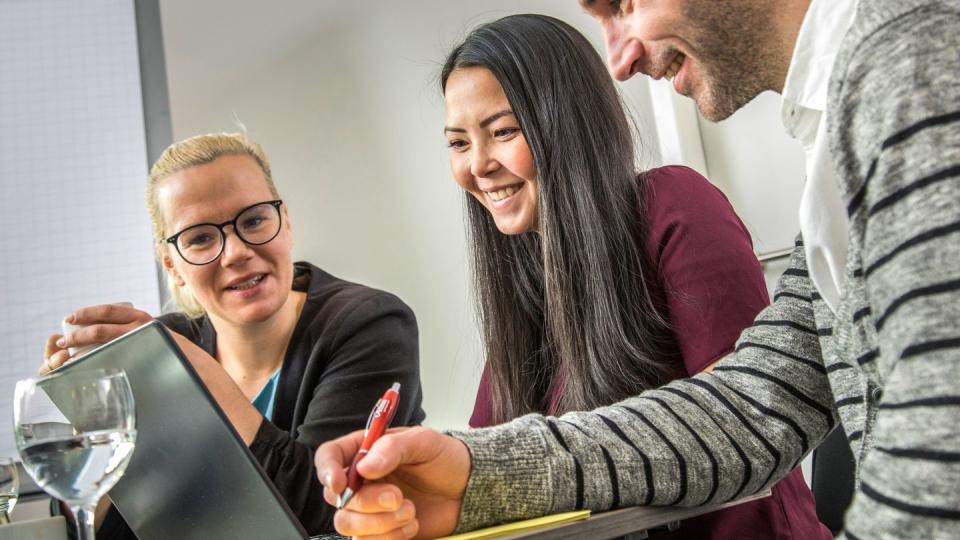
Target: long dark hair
{"points": [[576, 303]]}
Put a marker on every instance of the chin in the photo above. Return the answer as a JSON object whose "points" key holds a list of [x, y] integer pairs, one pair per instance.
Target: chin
{"points": [[509, 231], [254, 312], [515, 225], [712, 114], [256, 315], [513, 229], [717, 104]]}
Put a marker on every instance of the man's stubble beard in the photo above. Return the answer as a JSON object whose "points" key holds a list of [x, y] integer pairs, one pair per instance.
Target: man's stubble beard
{"points": [[736, 42]]}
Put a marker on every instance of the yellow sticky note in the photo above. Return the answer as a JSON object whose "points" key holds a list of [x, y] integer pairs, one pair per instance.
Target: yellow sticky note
{"points": [[521, 526]]}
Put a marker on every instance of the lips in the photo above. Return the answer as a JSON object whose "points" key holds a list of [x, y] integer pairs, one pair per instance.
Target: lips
{"points": [[246, 282], [497, 195]]}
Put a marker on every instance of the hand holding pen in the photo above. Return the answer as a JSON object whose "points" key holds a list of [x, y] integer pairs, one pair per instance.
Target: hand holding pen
{"points": [[378, 422], [421, 476]]}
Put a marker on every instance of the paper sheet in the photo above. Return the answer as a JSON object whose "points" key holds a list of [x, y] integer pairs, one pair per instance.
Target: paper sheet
{"points": [[521, 526]]}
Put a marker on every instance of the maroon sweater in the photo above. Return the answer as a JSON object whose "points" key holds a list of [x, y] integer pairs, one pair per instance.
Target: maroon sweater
{"points": [[714, 288]]}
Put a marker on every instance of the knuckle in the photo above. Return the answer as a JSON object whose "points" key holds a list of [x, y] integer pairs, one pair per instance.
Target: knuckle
{"points": [[98, 333], [322, 452], [368, 498]]}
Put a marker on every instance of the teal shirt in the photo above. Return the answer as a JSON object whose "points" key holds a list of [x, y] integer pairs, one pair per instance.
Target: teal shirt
{"points": [[264, 400]]}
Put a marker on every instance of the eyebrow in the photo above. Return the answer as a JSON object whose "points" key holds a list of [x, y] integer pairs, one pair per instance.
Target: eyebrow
{"points": [[483, 123]]}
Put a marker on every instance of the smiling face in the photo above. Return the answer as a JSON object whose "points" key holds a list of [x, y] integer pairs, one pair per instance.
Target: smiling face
{"points": [[246, 284], [489, 156], [721, 54]]}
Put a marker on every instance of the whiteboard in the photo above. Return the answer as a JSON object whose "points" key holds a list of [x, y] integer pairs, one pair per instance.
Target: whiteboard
{"points": [[74, 230]]}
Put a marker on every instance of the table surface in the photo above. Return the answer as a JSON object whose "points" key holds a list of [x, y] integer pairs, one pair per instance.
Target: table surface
{"points": [[616, 523], [598, 526]]}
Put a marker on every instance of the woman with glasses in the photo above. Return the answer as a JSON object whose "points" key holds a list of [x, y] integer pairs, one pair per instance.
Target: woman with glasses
{"points": [[293, 355]]}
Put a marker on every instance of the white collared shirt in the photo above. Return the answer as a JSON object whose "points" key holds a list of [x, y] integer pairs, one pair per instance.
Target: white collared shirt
{"points": [[823, 216]]}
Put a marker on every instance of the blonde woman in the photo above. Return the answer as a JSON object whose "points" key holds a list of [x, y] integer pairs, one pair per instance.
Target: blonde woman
{"points": [[277, 343]]}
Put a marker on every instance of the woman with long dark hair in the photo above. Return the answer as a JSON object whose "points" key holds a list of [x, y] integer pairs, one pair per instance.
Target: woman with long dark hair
{"points": [[593, 282]]}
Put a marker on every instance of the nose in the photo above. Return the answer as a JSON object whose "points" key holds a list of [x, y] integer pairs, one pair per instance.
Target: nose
{"points": [[622, 53], [482, 162], [235, 250]]}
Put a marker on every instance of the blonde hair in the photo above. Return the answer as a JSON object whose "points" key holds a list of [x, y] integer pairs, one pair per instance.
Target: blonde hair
{"points": [[198, 150]]}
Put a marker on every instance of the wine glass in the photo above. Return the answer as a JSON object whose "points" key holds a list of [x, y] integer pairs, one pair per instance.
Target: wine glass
{"points": [[9, 488], [75, 433]]}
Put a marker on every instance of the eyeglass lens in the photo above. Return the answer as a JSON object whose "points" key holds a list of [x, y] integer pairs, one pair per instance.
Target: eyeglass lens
{"points": [[203, 243]]}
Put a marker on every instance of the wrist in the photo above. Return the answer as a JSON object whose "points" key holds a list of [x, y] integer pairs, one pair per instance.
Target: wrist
{"points": [[508, 477]]}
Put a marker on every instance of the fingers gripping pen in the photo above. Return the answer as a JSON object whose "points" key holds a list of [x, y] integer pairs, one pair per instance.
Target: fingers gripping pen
{"points": [[377, 423]]}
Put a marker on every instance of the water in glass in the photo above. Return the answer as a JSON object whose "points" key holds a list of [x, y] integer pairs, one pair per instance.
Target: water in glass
{"points": [[75, 432], [80, 468]]}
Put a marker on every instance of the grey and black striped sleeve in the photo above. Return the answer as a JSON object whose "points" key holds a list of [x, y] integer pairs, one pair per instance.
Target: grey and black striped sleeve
{"points": [[712, 438], [901, 105]]}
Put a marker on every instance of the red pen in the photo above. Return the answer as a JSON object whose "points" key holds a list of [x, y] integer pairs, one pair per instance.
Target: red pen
{"points": [[379, 421]]}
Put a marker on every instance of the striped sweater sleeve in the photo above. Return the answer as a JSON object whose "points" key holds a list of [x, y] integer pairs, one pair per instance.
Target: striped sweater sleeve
{"points": [[900, 108], [712, 438]]}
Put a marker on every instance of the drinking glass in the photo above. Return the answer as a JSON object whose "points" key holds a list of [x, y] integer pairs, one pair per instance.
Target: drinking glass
{"points": [[75, 432], [9, 488]]}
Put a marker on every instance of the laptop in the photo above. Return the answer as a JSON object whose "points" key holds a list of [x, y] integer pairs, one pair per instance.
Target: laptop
{"points": [[191, 475]]}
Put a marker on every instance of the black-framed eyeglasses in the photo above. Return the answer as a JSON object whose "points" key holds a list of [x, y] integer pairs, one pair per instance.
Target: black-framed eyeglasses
{"points": [[203, 243]]}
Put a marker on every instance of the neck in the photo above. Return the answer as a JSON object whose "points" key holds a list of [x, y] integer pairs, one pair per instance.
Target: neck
{"points": [[251, 352], [788, 20]]}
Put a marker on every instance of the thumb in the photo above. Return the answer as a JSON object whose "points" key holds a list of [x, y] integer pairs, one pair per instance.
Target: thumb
{"points": [[397, 448]]}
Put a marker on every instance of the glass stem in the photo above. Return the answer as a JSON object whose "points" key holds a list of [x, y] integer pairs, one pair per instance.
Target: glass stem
{"points": [[84, 515]]}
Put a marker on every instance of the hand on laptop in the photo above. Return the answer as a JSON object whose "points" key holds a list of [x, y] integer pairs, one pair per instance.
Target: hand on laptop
{"points": [[423, 473], [97, 325]]}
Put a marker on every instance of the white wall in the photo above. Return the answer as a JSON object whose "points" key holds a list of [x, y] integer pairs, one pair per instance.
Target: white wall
{"points": [[344, 98], [761, 170]]}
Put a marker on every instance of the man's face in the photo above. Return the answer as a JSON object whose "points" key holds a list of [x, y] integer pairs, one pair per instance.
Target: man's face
{"points": [[718, 52]]}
